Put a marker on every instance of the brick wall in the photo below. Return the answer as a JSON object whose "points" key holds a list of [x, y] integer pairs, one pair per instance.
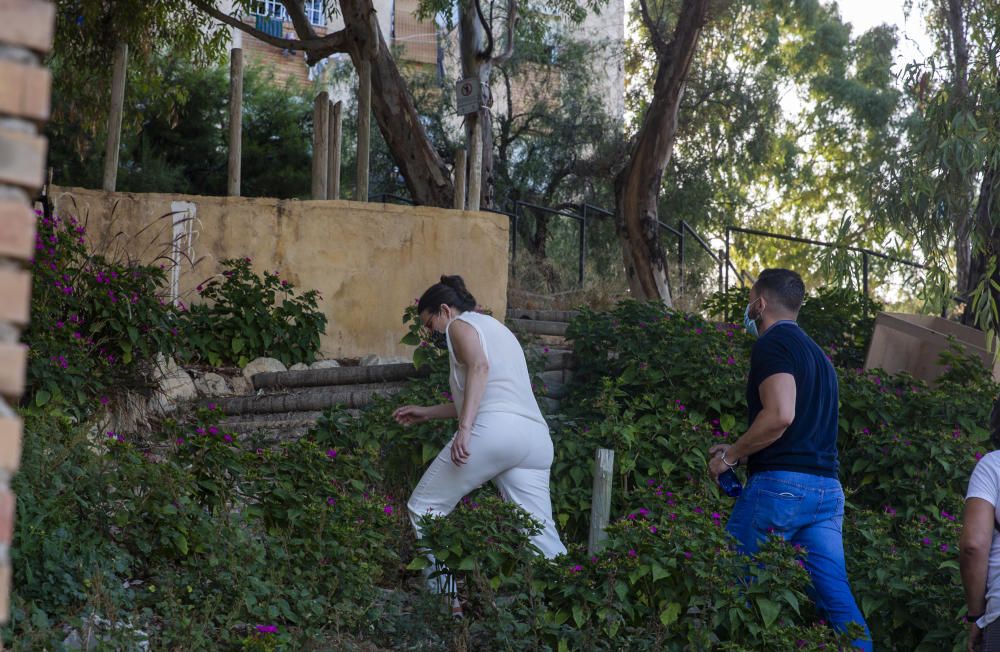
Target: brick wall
{"points": [[25, 37], [417, 38], [286, 65]]}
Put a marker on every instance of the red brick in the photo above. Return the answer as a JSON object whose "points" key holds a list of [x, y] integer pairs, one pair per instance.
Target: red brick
{"points": [[22, 159], [17, 230], [28, 23], [25, 90], [13, 362], [15, 296], [10, 443]]}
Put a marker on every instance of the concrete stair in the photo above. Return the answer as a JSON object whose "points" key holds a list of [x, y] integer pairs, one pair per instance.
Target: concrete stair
{"points": [[287, 404]]}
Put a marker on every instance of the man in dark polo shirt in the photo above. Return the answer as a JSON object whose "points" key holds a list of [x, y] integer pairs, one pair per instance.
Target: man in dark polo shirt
{"points": [[793, 489]]}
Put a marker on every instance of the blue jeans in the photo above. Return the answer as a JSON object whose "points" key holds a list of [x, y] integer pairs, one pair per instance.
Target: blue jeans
{"points": [[808, 510]]}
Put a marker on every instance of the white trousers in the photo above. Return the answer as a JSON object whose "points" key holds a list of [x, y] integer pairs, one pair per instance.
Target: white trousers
{"points": [[515, 453]]}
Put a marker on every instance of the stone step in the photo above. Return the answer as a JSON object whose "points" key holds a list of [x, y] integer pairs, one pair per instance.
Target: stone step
{"points": [[536, 327], [307, 399], [542, 315], [337, 376], [277, 426]]}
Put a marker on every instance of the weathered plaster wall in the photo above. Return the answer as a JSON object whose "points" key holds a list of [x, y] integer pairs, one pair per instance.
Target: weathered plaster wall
{"points": [[369, 261]]}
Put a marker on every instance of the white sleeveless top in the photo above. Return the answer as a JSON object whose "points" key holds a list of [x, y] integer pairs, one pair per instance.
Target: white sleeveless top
{"points": [[508, 385]]}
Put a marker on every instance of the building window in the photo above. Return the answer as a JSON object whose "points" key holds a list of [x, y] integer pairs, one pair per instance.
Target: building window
{"points": [[275, 9]]}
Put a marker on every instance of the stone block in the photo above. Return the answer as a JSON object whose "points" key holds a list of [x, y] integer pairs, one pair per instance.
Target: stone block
{"points": [[26, 90], [10, 443], [212, 384], [22, 159], [15, 295], [17, 230], [262, 365], [13, 362], [27, 23]]}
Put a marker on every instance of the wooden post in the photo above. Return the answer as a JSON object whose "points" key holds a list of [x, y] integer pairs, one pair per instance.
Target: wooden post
{"points": [[460, 179], [364, 127], [475, 163], [235, 121], [321, 123], [115, 117], [336, 135], [600, 502]]}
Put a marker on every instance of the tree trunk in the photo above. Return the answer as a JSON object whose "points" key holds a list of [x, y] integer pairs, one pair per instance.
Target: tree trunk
{"points": [[425, 173], [427, 178], [960, 189], [988, 240], [637, 185], [476, 63]]}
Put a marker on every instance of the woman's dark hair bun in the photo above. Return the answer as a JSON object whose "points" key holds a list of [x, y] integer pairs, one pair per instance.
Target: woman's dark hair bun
{"points": [[450, 291]]}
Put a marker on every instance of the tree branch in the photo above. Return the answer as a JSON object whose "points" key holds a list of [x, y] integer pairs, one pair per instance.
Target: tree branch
{"points": [[654, 29], [512, 19], [316, 48], [485, 56], [297, 13]]}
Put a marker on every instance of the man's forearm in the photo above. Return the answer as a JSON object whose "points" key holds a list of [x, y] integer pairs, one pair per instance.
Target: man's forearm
{"points": [[766, 429]]}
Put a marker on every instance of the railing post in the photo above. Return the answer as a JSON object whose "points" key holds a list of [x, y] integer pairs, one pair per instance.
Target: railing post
{"points": [[583, 242], [864, 271], [726, 286], [680, 258], [513, 244], [600, 502], [460, 179]]}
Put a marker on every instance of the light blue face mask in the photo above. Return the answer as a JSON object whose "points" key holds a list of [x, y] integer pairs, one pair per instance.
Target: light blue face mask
{"points": [[748, 323]]}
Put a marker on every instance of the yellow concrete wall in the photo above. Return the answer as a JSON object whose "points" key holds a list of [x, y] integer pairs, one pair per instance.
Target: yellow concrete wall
{"points": [[369, 261]]}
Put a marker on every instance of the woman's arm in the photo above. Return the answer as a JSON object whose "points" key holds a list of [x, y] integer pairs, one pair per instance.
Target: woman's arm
{"points": [[469, 352], [409, 415], [974, 546]]}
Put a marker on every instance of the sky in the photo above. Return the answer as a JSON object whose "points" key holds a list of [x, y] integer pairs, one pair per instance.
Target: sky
{"points": [[913, 41]]}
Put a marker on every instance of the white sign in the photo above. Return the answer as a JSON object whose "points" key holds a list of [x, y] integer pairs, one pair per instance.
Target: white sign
{"points": [[470, 95]]}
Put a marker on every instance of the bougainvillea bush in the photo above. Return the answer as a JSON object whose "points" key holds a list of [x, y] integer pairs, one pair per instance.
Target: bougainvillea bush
{"points": [[200, 539], [99, 321]]}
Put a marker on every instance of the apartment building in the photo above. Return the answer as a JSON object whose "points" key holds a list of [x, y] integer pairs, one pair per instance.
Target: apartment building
{"points": [[424, 43]]}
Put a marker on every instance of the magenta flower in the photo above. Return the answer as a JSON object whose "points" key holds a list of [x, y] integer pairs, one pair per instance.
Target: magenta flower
{"points": [[228, 438], [388, 510], [213, 430], [688, 555], [180, 440], [652, 528], [331, 501], [105, 400], [944, 547], [633, 553], [576, 569], [331, 453], [926, 541], [267, 629]]}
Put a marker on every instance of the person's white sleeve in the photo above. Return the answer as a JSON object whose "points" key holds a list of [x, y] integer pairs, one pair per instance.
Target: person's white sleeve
{"points": [[985, 480]]}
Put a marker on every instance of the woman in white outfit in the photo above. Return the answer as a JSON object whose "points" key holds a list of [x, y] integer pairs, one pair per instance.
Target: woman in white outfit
{"points": [[501, 435]]}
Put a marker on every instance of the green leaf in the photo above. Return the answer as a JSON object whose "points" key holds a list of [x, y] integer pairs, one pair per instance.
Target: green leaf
{"points": [[238, 344], [578, 616], [467, 564], [410, 339], [418, 563], [670, 615], [769, 610], [42, 397]]}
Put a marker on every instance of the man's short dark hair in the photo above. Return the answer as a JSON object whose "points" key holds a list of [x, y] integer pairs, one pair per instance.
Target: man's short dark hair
{"points": [[782, 286]]}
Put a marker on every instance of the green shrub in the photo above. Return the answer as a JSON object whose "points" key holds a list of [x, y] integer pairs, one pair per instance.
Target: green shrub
{"points": [[245, 319], [95, 322]]}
